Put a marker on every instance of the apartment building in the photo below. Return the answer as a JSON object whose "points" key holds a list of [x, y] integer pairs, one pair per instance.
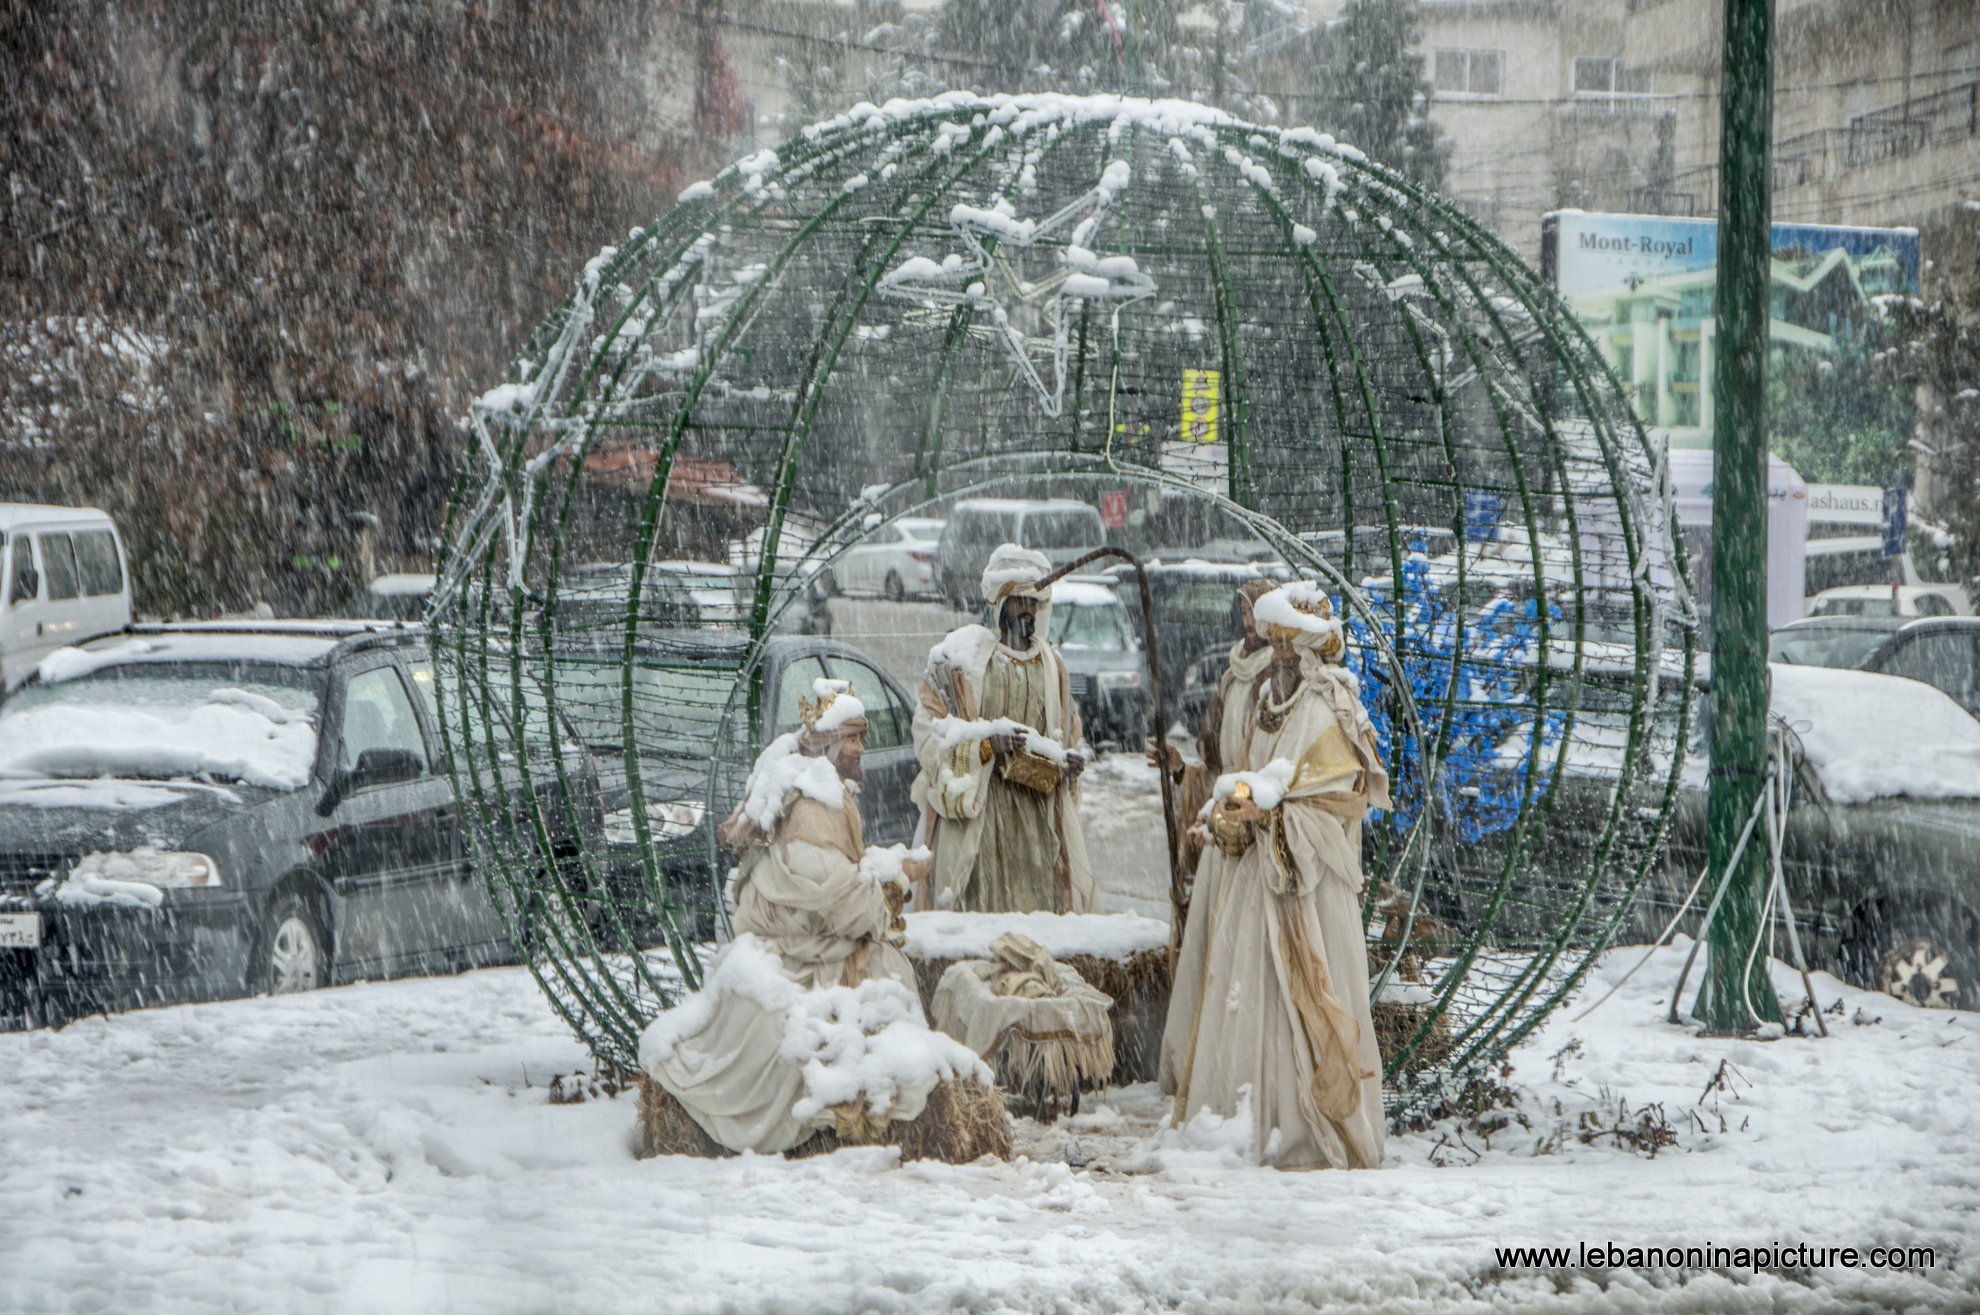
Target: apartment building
{"points": [[1613, 105]]}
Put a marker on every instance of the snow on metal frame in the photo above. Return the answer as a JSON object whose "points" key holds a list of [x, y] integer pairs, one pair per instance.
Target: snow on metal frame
{"points": [[917, 300]]}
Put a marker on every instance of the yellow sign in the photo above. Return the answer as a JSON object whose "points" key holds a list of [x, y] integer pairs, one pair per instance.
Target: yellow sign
{"points": [[1200, 391]]}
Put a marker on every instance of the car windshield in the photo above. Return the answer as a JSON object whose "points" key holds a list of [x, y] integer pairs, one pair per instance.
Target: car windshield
{"points": [[1061, 529], [677, 710], [1824, 646], [1201, 601], [721, 580], [1078, 626], [1856, 566], [251, 723]]}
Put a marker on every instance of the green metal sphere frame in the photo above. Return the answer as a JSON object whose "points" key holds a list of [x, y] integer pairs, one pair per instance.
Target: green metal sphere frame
{"points": [[918, 301]]}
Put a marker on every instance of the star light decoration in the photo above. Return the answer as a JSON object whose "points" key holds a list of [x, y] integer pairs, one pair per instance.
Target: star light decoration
{"points": [[971, 280], [506, 498]]}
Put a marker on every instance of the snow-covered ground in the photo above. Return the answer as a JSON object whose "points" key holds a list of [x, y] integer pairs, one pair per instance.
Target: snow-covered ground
{"points": [[393, 1147]]}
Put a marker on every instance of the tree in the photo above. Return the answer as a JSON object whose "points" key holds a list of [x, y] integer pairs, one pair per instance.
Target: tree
{"points": [[257, 255], [1375, 93], [1841, 419], [1938, 353], [1207, 50]]}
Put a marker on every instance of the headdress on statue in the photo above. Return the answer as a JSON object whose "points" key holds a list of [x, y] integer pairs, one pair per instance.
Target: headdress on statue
{"points": [[1014, 572], [1253, 590], [830, 715], [1301, 614]]}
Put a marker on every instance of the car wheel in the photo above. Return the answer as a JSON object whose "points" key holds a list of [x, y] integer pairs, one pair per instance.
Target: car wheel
{"points": [[896, 591], [293, 951], [1926, 955]]}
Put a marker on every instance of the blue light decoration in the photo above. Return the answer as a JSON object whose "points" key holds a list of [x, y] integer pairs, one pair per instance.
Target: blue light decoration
{"points": [[1474, 686]]}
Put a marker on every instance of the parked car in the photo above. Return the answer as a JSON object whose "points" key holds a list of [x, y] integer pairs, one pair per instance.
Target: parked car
{"points": [[1884, 600], [1106, 666], [690, 705], [1944, 652], [63, 580], [1882, 828], [199, 811], [1859, 560], [1372, 545], [715, 588], [1196, 621], [896, 560], [591, 600], [398, 596], [1060, 528]]}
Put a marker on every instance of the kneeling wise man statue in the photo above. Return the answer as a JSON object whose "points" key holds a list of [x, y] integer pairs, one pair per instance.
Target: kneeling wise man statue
{"points": [[806, 891]]}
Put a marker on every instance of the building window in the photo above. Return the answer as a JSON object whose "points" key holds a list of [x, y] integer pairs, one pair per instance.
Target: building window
{"points": [[1470, 72], [1604, 75]]}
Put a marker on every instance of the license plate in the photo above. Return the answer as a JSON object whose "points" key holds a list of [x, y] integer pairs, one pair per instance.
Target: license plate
{"points": [[20, 931]]}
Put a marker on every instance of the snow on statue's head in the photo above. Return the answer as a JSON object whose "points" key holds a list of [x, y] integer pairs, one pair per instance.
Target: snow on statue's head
{"points": [[1013, 573], [1298, 618]]}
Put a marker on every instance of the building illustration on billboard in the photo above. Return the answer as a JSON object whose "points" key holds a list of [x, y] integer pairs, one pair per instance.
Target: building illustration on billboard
{"points": [[1643, 288]]}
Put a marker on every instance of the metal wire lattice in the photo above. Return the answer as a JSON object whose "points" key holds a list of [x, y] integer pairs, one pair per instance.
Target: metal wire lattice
{"points": [[1042, 295]]}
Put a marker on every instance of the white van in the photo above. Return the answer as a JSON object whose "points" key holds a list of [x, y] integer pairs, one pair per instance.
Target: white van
{"points": [[62, 580], [1061, 528], [1858, 560]]}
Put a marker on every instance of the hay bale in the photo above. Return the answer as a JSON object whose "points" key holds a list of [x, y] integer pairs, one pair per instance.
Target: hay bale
{"points": [[1395, 1024], [666, 1128], [961, 1123]]}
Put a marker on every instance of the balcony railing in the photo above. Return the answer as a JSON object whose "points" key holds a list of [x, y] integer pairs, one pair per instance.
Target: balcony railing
{"points": [[1825, 154]]}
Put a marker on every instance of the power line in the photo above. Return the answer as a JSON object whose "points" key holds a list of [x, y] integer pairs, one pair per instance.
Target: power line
{"points": [[1494, 102]]}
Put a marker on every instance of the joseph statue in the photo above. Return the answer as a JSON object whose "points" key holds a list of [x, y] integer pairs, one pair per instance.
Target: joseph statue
{"points": [[1270, 1005], [1226, 720], [1002, 749]]}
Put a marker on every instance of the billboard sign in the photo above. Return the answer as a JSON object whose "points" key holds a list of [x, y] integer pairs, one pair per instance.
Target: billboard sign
{"points": [[1846, 504], [1643, 286]]}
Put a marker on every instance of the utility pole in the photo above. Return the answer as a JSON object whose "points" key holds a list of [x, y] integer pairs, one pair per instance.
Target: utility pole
{"points": [[1739, 515]]}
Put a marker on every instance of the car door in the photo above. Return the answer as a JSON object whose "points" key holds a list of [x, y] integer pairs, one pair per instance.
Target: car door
{"points": [[481, 937], [885, 806], [1944, 659], [388, 847]]}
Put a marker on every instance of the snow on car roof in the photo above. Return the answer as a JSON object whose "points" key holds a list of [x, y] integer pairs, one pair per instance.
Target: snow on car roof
{"points": [[697, 568], [13, 514], [1082, 593], [1871, 736], [290, 647], [399, 584], [1022, 504]]}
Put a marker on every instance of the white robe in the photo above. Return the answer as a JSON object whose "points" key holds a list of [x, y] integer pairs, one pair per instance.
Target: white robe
{"points": [[1267, 929], [954, 783], [802, 896]]}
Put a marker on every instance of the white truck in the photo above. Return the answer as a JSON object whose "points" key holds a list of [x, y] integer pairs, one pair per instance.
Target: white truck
{"points": [[63, 579]]}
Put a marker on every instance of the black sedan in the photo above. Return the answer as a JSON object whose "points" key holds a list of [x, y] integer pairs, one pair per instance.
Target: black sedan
{"points": [[1942, 651], [1882, 829], [194, 812]]}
